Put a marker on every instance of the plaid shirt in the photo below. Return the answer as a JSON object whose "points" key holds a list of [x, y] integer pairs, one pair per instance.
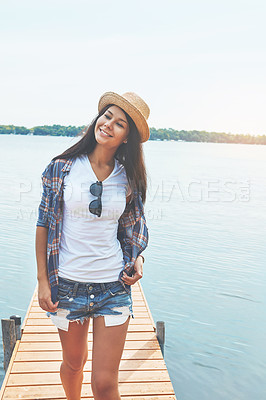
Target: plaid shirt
{"points": [[132, 230]]}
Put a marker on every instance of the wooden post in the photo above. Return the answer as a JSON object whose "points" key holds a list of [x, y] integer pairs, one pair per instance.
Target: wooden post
{"points": [[9, 339], [17, 320], [160, 333]]}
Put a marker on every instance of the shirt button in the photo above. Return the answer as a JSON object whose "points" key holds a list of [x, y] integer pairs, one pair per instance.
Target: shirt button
{"points": [[90, 287], [92, 296], [91, 304]]}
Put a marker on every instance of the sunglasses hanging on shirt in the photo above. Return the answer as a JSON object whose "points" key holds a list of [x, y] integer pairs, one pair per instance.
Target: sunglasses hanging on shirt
{"points": [[95, 206]]}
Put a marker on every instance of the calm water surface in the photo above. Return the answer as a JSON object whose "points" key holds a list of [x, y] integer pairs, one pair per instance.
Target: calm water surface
{"points": [[204, 273]]}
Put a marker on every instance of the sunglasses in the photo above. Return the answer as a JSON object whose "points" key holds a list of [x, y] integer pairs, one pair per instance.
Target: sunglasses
{"points": [[95, 206]]}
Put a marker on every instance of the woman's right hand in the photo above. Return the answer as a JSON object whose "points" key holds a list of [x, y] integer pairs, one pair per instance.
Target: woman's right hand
{"points": [[44, 297]]}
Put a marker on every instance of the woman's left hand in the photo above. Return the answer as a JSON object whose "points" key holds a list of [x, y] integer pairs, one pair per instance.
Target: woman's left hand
{"points": [[138, 267]]}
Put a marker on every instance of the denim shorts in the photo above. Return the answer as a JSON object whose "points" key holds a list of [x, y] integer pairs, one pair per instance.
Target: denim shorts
{"points": [[81, 300]]}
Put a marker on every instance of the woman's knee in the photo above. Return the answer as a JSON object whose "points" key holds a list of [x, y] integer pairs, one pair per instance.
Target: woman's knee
{"points": [[104, 384], [75, 362]]}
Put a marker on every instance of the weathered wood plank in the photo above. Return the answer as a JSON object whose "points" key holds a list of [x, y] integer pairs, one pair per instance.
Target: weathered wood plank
{"points": [[57, 355], [48, 346], [56, 391], [53, 336], [52, 378], [52, 366]]}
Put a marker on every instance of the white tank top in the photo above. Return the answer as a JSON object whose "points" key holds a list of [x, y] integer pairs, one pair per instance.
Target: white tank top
{"points": [[89, 250]]}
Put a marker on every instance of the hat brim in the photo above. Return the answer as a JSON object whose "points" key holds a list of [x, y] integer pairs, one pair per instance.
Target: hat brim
{"points": [[140, 121]]}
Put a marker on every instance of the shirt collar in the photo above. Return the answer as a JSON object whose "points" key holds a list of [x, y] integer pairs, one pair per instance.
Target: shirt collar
{"points": [[67, 165]]}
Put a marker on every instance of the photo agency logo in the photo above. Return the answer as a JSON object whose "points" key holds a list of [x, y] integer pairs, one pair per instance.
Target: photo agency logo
{"points": [[27, 197], [169, 193], [209, 190]]}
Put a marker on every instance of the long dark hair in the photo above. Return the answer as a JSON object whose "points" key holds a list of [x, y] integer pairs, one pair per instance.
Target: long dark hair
{"points": [[129, 154]]}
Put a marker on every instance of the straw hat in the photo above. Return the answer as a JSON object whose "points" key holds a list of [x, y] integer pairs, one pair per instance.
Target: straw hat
{"points": [[132, 104]]}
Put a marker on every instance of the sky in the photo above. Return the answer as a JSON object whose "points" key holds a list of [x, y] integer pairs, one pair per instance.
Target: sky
{"points": [[197, 64]]}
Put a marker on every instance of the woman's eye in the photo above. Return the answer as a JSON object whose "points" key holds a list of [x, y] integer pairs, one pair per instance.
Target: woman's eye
{"points": [[107, 116]]}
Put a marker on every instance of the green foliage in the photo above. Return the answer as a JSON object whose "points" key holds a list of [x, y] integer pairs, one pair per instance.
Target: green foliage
{"points": [[56, 130], [155, 134], [16, 130], [203, 136]]}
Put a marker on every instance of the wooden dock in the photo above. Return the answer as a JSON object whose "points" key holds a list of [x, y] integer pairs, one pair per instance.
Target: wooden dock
{"points": [[33, 371]]}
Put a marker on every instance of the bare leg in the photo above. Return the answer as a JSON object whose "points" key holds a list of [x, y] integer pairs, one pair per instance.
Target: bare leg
{"points": [[75, 353], [108, 346]]}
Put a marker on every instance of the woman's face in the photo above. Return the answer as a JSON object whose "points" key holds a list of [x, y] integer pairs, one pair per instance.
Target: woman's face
{"points": [[112, 128]]}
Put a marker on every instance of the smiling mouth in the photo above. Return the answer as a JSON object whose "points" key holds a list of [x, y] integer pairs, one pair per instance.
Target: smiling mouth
{"points": [[106, 134]]}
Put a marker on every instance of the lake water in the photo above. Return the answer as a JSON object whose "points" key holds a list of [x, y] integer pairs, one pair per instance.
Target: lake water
{"points": [[204, 273]]}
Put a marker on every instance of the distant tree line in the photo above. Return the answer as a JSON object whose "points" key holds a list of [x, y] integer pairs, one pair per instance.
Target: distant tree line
{"points": [[203, 136], [46, 130], [155, 134]]}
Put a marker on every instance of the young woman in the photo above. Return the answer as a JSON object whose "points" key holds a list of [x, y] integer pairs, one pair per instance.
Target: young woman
{"points": [[90, 234]]}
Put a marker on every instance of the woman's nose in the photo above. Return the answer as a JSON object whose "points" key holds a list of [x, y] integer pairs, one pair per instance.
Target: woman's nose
{"points": [[108, 124]]}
